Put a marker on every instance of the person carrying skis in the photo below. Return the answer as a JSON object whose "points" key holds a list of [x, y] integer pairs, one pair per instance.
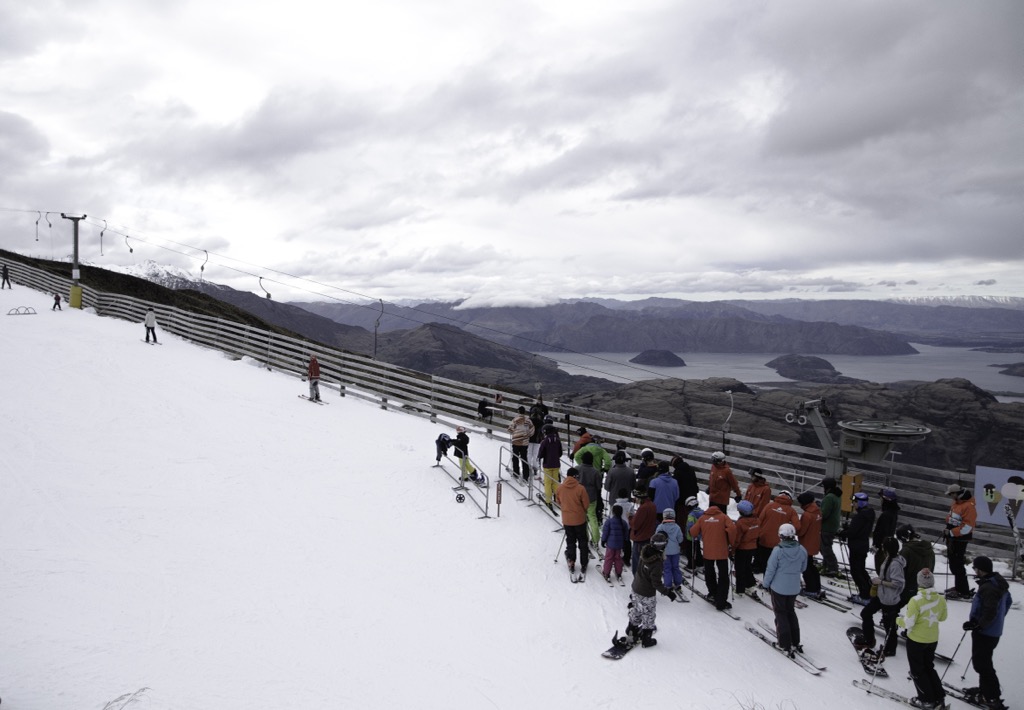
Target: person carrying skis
{"points": [[782, 579], [988, 610], [520, 431], [647, 582], [721, 482], [921, 619], [960, 523], [889, 585], [313, 372], [550, 455], [748, 531], [718, 537], [573, 500]]}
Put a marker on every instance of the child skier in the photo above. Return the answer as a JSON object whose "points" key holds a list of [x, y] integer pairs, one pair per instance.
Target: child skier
{"points": [[643, 604], [748, 531], [668, 525], [613, 536]]}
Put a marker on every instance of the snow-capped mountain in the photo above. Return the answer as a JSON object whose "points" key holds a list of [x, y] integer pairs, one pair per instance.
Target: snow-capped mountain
{"points": [[1011, 302], [169, 276]]}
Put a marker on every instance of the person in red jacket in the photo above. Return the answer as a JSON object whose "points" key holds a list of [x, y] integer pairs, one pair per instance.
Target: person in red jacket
{"points": [[808, 532], [758, 492], [960, 523], [585, 438], [642, 525], [748, 532], [718, 537], [721, 483], [778, 512], [572, 498], [313, 371]]}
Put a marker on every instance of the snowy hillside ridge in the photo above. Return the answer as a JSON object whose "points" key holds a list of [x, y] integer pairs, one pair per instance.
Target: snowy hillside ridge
{"points": [[169, 276], [1011, 302]]}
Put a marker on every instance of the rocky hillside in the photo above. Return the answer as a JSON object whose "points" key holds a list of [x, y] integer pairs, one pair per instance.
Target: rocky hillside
{"points": [[968, 425]]}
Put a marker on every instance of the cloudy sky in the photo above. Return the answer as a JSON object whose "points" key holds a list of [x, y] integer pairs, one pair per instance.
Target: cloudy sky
{"points": [[517, 151]]}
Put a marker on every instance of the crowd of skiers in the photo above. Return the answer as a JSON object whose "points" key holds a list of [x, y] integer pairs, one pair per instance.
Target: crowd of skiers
{"points": [[655, 526]]}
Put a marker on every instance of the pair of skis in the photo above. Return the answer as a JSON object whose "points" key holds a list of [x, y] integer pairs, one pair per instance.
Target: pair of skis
{"points": [[766, 633], [703, 595]]}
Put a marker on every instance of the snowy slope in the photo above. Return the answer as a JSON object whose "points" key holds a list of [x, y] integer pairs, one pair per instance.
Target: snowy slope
{"points": [[174, 520]]}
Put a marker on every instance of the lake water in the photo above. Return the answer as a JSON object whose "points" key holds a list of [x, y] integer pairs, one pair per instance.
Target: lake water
{"points": [[930, 364]]}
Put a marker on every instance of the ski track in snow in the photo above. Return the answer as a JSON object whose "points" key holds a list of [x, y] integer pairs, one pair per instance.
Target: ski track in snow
{"points": [[175, 520]]}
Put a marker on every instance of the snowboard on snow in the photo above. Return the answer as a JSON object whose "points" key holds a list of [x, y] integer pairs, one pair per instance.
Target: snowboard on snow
{"points": [[871, 667], [620, 647]]}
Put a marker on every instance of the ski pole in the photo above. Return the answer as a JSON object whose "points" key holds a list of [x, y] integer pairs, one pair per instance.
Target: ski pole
{"points": [[954, 656], [849, 571], [559, 550]]}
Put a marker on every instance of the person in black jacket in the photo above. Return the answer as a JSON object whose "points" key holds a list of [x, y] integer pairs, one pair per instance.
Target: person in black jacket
{"points": [[858, 538], [885, 524], [686, 477], [988, 609]]}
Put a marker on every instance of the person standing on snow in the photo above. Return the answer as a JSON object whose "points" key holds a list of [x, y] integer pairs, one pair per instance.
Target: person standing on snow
{"points": [[919, 554], [550, 456], [889, 585], [686, 478], [721, 482], [538, 412], [858, 537], [520, 433], [313, 373], [779, 511], [614, 536], [672, 574], [717, 533], [5, 278], [758, 492], [642, 526], [782, 579], [619, 476], [666, 490], [590, 479], [460, 445], [988, 610], [960, 523], [921, 620], [573, 500], [885, 524], [831, 521], [150, 323], [643, 604], [748, 531], [809, 535]]}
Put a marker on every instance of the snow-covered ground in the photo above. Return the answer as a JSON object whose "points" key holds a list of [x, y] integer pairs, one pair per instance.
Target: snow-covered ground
{"points": [[174, 520]]}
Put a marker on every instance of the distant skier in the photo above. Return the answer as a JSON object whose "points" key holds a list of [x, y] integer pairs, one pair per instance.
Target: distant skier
{"points": [[313, 372], [56, 303], [5, 278], [150, 323]]}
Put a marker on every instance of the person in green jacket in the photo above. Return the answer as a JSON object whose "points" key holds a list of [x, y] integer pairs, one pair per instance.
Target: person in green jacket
{"points": [[831, 511], [921, 620]]}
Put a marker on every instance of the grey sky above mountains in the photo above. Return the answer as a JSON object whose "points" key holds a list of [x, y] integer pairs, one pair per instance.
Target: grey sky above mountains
{"points": [[514, 152]]}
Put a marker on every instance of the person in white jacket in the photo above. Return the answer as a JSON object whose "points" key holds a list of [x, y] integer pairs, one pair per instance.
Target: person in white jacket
{"points": [[150, 324]]}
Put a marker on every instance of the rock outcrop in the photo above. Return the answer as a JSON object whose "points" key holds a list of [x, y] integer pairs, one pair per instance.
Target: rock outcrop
{"points": [[658, 358], [808, 368]]}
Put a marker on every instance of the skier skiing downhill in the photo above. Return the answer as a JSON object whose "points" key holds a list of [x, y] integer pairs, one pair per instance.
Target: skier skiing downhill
{"points": [[643, 604]]}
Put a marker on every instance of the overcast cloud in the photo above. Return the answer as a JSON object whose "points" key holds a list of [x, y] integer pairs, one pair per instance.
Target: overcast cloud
{"points": [[511, 151]]}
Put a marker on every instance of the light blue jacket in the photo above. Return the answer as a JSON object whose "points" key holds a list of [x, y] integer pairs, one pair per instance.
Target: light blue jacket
{"points": [[785, 566], [675, 536]]}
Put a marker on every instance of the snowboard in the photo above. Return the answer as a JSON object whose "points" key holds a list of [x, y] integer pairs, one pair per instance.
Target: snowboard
{"points": [[618, 650], [872, 668]]}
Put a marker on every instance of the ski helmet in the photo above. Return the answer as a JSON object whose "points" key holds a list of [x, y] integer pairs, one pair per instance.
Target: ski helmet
{"points": [[787, 531], [861, 499], [906, 532], [660, 540], [718, 456], [786, 493], [647, 454], [888, 494], [691, 502], [745, 507], [669, 514]]}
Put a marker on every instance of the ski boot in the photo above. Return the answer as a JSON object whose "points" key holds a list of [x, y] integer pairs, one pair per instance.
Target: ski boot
{"points": [[647, 638]]}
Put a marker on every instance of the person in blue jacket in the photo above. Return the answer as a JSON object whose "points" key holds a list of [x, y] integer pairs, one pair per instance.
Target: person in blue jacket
{"points": [[782, 577], [988, 609], [666, 489], [673, 576]]}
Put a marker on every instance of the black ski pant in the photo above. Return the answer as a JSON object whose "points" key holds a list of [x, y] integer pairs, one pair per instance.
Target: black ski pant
{"points": [[812, 577], [716, 575], [787, 626], [745, 571], [576, 535], [761, 558], [921, 657], [520, 452], [828, 555], [982, 648], [956, 551], [634, 561], [889, 614], [859, 572]]}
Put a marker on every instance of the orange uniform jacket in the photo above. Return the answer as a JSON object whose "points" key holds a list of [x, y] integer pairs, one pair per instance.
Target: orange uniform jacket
{"points": [[722, 484], [748, 532], [573, 500], [809, 530], [717, 531], [779, 511], [760, 495], [968, 518]]}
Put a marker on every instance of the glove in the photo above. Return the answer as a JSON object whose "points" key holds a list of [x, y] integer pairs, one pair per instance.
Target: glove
{"points": [[671, 595], [950, 526], [737, 498], [841, 536], [970, 625], [876, 581]]}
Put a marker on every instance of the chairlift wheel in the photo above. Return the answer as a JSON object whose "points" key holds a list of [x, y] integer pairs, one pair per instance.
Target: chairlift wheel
{"points": [[460, 498]]}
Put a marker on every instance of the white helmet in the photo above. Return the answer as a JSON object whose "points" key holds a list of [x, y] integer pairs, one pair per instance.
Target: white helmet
{"points": [[787, 531], [718, 456]]}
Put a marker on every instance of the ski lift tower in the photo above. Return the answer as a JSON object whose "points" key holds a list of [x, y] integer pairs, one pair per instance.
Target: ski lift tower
{"points": [[867, 440]]}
